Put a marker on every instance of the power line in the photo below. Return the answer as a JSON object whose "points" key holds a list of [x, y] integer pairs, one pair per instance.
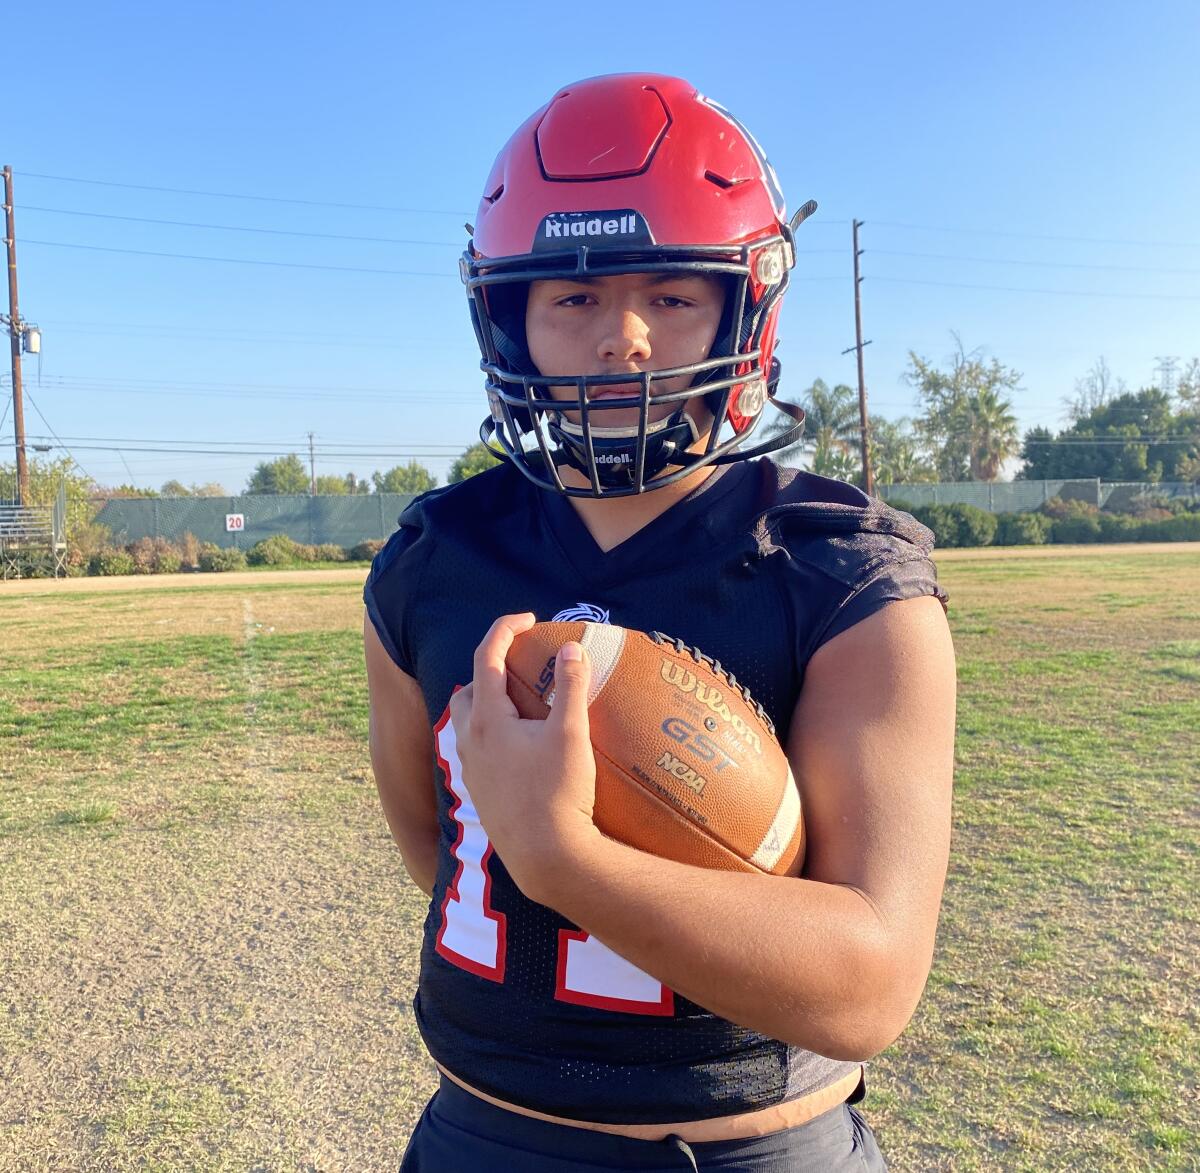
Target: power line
{"points": [[450, 273], [253, 391], [233, 444], [204, 383], [291, 232], [44, 420], [1035, 236], [884, 252], [138, 252], [1052, 292], [325, 453], [239, 228], [225, 195]]}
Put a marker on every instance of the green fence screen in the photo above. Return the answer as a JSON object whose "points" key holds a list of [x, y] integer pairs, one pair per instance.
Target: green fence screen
{"points": [[340, 521], [1026, 496]]}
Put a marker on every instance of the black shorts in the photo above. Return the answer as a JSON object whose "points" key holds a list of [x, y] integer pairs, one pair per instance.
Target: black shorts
{"points": [[460, 1133]]}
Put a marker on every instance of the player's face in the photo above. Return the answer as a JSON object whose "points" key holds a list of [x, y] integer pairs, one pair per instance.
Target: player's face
{"points": [[623, 324]]}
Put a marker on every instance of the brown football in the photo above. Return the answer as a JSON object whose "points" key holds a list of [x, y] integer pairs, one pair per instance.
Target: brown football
{"points": [[687, 764]]}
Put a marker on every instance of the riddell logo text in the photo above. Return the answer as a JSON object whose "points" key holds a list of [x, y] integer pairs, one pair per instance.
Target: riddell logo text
{"points": [[626, 225], [615, 458]]}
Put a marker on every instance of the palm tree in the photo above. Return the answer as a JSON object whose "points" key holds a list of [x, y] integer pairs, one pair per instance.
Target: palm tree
{"points": [[991, 433], [831, 426], [895, 456]]}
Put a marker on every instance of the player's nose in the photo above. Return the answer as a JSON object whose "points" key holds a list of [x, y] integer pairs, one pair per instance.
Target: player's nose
{"points": [[625, 337]]}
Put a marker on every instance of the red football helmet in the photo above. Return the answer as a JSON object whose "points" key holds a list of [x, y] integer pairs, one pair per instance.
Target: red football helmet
{"points": [[623, 174]]}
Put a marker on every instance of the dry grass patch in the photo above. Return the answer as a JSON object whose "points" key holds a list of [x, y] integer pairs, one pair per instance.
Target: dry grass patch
{"points": [[207, 946]]}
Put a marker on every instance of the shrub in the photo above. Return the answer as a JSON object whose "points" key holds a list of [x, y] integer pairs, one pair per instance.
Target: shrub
{"points": [[1061, 510], [365, 551], [277, 550], [217, 558], [154, 556], [976, 527], [189, 547], [167, 559], [1022, 529], [111, 561], [1158, 506], [330, 552], [142, 553], [939, 519], [1076, 529], [1119, 527], [86, 541], [1184, 528], [903, 506]]}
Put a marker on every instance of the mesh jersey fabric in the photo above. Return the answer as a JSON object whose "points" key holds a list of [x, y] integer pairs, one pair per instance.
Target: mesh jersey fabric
{"points": [[758, 569]]}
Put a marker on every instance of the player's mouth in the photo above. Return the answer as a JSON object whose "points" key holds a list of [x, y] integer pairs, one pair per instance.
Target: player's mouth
{"points": [[615, 391]]}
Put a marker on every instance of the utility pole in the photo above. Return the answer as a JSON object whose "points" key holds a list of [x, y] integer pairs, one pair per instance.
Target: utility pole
{"points": [[868, 479], [15, 332], [312, 467]]}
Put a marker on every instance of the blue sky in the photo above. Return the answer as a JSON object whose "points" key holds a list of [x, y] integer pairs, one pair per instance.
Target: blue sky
{"points": [[1028, 176]]}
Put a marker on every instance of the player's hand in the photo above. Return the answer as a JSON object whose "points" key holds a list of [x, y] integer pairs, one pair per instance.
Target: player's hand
{"points": [[533, 782]]}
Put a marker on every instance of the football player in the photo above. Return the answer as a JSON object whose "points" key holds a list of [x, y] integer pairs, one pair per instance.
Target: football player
{"points": [[590, 1006]]}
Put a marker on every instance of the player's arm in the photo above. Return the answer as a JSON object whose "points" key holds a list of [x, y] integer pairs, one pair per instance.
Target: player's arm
{"points": [[402, 758], [835, 961]]}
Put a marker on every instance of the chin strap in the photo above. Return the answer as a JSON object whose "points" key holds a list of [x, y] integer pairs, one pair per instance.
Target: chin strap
{"points": [[783, 440]]}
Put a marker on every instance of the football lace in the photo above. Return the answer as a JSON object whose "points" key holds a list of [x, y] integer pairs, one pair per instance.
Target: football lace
{"points": [[723, 673]]}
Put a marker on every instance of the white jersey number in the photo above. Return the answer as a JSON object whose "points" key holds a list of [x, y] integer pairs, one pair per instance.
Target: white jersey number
{"points": [[473, 935]]}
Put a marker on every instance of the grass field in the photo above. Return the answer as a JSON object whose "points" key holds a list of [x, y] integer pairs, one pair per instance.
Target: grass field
{"points": [[207, 943]]}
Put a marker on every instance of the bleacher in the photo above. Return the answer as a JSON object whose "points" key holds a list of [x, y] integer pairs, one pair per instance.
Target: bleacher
{"points": [[33, 539]]}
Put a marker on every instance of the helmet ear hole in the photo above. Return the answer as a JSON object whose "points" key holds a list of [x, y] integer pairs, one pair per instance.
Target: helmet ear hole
{"points": [[506, 309]]}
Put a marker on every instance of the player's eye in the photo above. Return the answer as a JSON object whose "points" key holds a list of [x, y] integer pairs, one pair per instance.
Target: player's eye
{"points": [[671, 301], [573, 299]]}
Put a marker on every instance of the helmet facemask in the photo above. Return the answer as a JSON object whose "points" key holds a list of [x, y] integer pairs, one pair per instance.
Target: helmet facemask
{"points": [[533, 429]]}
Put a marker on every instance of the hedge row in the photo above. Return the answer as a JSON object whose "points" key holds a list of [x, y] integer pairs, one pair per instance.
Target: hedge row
{"points": [[1058, 521], [159, 556]]}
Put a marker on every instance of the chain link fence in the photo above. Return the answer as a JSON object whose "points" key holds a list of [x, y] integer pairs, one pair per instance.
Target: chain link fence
{"points": [[1026, 496], [243, 521], [346, 521]]}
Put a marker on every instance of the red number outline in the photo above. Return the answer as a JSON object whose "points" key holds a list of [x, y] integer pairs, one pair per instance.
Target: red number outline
{"points": [[492, 973], [665, 1007]]}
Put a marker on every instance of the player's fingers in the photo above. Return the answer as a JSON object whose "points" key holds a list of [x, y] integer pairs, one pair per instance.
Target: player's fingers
{"points": [[572, 676], [460, 708], [490, 680]]}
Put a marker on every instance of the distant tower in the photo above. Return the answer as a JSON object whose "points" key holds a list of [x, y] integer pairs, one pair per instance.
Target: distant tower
{"points": [[1166, 373]]}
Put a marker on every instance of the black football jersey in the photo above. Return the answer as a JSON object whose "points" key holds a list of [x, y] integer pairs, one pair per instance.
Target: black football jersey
{"points": [[757, 568]]}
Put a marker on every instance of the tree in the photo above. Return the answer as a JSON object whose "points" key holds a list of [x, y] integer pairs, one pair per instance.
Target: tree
{"points": [[968, 425], [1094, 390], [1132, 437], [285, 475], [331, 486], [404, 478], [1188, 387], [134, 492], [46, 476], [476, 459], [831, 425], [896, 458], [992, 429], [175, 488]]}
